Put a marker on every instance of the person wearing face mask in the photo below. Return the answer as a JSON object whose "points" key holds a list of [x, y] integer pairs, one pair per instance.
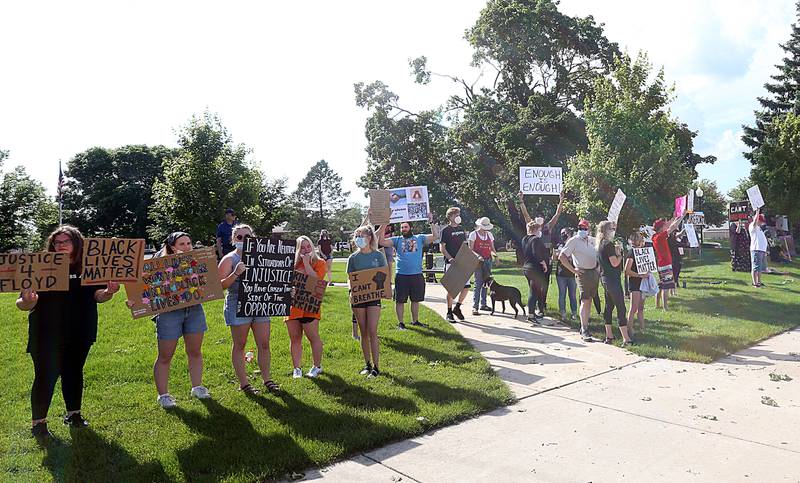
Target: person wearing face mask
{"points": [[409, 282], [301, 322], [536, 268], [610, 256], [453, 238], [565, 280], [666, 279], [231, 268], [579, 256], [635, 283], [481, 241], [367, 314], [758, 248]]}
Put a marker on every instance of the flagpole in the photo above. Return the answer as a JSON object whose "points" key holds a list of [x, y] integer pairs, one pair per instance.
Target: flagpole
{"points": [[60, 202]]}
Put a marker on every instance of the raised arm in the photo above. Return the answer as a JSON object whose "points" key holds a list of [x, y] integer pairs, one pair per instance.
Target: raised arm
{"points": [[523, 208], [382, 241], [554, 220], [675, 223]]}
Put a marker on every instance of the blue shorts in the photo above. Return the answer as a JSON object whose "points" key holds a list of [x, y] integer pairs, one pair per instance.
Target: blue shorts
{"points": [[758, 260], [232, 320], [173, 325]]}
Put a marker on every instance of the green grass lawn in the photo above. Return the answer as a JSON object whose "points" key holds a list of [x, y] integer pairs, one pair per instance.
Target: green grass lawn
{"points": [[430, 378], [718, 312]]}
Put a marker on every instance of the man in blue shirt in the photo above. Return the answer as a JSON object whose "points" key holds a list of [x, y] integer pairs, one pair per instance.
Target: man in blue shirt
{"points": [[409, 282], [224, 232]]}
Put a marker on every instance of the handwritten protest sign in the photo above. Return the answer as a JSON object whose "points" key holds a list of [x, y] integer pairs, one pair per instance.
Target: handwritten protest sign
{"points": [[308, 292], [409, 204], [698, 218], [540, 180], [458, 273], [691, 235], [370, 285], [756, 200], [616, 206], [41, 271], [111, 260], [174, 282], [680, 206], [738, 210], [645, 260], [690, 201], [265, 289], [380, 210]]}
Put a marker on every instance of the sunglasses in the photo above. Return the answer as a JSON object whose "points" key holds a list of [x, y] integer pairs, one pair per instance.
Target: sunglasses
{"points": [[241, 237]]}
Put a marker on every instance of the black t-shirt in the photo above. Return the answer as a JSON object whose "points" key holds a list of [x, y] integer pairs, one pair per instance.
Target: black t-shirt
{"points": [[608, 250], [453, 238], [673, 243], [62, 318], [534, 252]]}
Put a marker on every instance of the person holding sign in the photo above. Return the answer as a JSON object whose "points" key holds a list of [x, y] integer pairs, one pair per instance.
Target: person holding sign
{"points": [[366, 257], [536, 268], [758, 247], [481, 241], [453, 238], [230, 268], [740, 246], [325, 245], [409, 282], [300, 321], [189, 323], [664, 257], [610, 255], [62, 326], [635, 283]]}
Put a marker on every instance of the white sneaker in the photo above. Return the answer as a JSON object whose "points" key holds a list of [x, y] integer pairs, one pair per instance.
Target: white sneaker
{"points": [[297, 374], [314, 372], [167, 401], [200, 392]]}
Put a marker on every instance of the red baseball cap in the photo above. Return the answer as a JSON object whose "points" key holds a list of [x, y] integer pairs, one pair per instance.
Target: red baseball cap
{"points": [[658, 224], [584, 223]]}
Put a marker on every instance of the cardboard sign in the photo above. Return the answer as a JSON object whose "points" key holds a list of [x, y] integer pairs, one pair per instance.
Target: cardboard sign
{"points": [[174, 282], [265, 289], [690, 201], [782, 223], [698, 218], [754, 194], [380, 211], [458, 273], [616, 206], [409, 204], [680, 206], [540, 181], [691, 235], [645, 259], [111, 260], [308, 292], [370, 285], [41, 271], [738, 210]]}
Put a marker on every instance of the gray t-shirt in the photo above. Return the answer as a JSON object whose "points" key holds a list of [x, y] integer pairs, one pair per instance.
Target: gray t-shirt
{"points": [[365, 261], [582, 251]]}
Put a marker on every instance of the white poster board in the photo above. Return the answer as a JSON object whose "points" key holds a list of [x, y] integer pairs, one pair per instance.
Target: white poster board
{"points": [[616, 206], [540, 180], [690, 201], [409, 204], [645, 259], [756, 201], [697, 218], [691, 235]]}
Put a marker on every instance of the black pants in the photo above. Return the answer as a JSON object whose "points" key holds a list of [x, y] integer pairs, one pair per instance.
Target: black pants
{"points": [[50, 364], [615, 298], [538, 283]]}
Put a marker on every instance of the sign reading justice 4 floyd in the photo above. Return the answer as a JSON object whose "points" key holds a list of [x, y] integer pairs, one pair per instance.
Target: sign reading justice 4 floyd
{"points": [[540, 181], [174, 282], [370, 285], [111, 260], [265, 289], [42, 272]]}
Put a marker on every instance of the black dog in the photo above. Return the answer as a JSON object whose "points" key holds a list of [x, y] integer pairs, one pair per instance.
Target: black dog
{"points": [[501, 293]]}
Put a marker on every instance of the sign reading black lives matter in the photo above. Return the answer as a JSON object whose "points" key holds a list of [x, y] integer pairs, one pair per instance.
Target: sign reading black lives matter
{"points": [[645, 260], [265, 288]]}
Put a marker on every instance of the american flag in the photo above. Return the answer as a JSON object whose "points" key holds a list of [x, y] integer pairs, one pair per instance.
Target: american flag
{"points": [[60, 180]]}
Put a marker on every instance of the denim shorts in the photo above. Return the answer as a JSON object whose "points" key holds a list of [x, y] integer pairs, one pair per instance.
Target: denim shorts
{"points": [[232, 320], [173, 325], [758, 260]]}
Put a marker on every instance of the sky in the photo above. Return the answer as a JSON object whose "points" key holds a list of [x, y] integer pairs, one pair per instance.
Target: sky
{"points": [[74, 75]]}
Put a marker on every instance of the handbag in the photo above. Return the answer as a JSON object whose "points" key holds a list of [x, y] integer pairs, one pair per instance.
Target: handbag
{"points": [[649, 286]]}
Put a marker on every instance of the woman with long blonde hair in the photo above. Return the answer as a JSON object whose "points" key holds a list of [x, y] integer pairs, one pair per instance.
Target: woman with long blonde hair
{"points": [[300, 321]]}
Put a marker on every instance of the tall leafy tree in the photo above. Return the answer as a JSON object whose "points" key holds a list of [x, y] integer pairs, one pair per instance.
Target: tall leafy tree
{"points": [[631, 146], [715, 206], [318, 196], [109, 191], [208, 174], [739, 192]]}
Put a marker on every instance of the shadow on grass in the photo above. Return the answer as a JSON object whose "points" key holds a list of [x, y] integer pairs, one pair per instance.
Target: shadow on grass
{"points": [[438, 393], [90, 457], [358, 397], [425, 352]]}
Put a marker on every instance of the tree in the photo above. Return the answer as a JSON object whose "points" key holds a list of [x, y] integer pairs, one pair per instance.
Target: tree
{"points": [[27, 214], [715, 207], [631, 146], [348, 218], [275, 205], [739, 192], [109, 191], [318, 196], [208, 174]]}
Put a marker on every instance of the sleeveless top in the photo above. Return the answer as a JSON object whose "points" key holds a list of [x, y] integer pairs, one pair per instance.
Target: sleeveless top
{"points": [[233, 291]]}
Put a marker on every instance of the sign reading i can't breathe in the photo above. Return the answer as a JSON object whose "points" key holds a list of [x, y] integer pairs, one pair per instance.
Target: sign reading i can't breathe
{"points": [[265, 288], [370, 285], [111, 260], [540, 181], [42, 272]]}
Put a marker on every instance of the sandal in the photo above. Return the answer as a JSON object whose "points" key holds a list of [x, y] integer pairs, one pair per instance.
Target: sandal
{"points": [[248, 389], [272, 386]]}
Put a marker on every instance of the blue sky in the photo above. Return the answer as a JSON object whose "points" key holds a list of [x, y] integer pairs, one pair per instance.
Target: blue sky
{"points": [[280, 74]]}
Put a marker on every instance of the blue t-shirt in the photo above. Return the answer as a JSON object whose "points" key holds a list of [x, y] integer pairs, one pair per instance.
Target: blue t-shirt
{"points": [[224, 232], [365, 261], [409, 253]]}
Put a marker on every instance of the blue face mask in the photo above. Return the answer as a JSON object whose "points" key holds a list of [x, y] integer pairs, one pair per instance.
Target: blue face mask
{"points": [[583, 233], [361, 242]]}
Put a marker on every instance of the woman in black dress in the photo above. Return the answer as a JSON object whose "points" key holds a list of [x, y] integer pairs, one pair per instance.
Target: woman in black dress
{"points": [[62, 326], [740, 246]]}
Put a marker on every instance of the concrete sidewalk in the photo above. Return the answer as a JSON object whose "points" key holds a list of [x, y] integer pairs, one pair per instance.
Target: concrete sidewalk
{"points": [[592, 412]]}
